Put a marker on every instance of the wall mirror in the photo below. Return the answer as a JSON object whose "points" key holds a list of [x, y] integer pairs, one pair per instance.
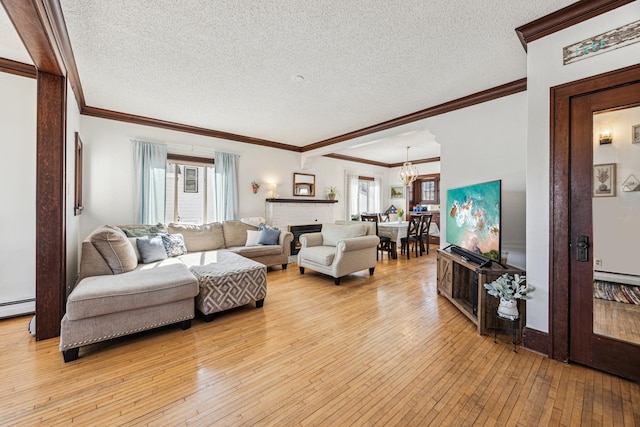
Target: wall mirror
{"points": [[304, 184]]}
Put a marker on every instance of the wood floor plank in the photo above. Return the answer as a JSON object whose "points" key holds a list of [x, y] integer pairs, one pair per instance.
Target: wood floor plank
{"points": [[380, 350]]}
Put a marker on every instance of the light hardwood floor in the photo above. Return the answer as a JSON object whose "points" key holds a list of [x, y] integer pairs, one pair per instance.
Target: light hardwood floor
{"points": [[385, 350]]}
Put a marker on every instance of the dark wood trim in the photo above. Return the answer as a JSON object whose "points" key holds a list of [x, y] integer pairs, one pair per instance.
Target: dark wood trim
{"points": [[560, 192], [300, 201], [467, 101], [416, 162], [51, 247], [536, 340], [565, 18], [78, 207], [357, 160], [59, 27], [178, 127], [366, 178], [429, 175], [192, 159], [18, 68], [32, 24]]}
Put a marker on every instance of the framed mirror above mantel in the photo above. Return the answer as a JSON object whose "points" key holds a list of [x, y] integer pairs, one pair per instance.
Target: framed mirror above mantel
{"points": [[304, 184]]}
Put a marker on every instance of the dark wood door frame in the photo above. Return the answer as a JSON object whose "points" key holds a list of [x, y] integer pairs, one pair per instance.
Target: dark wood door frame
{"points": [[560, 193]]}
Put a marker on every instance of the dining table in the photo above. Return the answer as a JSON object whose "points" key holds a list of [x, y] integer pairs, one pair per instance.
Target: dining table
{"points": [[396, 231]]}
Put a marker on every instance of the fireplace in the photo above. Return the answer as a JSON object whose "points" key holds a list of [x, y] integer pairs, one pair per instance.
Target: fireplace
{"points": [[297, 231]]}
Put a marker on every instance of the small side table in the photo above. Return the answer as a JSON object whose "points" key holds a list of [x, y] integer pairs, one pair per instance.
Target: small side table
{"points": [[515, 326]]}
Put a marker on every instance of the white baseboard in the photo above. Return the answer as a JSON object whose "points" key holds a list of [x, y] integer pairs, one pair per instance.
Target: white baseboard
{"points": [[17, 309]]}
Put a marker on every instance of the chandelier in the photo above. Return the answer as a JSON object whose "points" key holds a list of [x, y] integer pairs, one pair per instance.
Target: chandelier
{"points": [[407, 173]]}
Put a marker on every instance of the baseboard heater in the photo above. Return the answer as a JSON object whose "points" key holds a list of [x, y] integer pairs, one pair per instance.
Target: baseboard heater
{"points": [[622, 278], [17, 308]]}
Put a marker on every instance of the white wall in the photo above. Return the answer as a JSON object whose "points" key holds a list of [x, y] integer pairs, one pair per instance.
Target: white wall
{"points": [[483, 143], [18, 193], [109, 170], [615, 219], [545, 70], [72, 221]]}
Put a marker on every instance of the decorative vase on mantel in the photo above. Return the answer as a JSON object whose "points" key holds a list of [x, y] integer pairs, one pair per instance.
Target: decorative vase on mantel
{"points": [[508, 309]]}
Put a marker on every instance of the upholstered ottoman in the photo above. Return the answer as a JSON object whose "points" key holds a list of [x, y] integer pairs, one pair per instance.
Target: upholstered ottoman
{"points": [[226, 280]]}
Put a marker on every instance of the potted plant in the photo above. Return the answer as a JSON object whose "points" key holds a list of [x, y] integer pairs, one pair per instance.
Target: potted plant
{"points": [[509, 289], [400, 213], [332, 192]]}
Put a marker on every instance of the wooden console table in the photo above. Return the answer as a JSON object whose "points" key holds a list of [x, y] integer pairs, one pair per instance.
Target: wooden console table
{"points": [[462, 283]]}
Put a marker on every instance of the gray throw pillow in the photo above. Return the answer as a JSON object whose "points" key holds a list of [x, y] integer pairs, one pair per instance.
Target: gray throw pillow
{"points": [[151, 249], [269, 236]]}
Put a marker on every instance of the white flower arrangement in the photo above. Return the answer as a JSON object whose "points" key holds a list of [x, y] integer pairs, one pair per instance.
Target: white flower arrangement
{"points": [[510, 287]]}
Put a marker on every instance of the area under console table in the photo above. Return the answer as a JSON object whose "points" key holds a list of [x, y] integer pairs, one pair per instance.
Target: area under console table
{"points": [[462, 283]]}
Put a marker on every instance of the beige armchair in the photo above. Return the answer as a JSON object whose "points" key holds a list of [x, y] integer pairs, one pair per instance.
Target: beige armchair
{"points": [[339, 249]]}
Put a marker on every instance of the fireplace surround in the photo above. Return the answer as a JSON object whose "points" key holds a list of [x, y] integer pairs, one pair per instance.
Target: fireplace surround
{"points": [[297, 231]]}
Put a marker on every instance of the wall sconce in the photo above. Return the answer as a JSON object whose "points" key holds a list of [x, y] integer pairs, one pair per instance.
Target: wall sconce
{"points": [[605, 137]]}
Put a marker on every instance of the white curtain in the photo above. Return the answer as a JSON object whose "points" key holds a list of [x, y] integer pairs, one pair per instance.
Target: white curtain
{"points": [[377, 193], [351, 184], [226, 184], [149, 165]]}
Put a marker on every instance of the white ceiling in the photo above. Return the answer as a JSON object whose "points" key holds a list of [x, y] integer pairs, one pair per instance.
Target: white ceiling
{"points": [[229, 65]]}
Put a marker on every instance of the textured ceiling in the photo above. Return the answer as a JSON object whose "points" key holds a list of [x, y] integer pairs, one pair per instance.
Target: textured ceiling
{"points": [[229, 65]]}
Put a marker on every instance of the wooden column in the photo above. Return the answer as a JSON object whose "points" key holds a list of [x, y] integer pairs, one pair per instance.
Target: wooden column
{"points": [[51, 256]]}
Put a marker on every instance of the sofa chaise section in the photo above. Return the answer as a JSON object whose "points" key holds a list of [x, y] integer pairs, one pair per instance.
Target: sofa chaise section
{"points": [[115, 297]]}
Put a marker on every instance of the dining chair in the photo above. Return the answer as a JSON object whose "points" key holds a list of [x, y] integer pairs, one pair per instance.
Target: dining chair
{"points": [[383, 217], [425, 225], [385, 242], [413, 236]]}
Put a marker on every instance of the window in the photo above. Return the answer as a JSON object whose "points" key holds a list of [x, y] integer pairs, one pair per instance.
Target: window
{"points": [[189, 187], [367, 195], [426, 190]]}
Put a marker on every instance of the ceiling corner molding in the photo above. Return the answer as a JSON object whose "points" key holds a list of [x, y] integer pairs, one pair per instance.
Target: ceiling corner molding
{"points": [[18, 68], [34, 28], [61, 37], [178, 127], [357, 160], [447, 107], [565, 18]]}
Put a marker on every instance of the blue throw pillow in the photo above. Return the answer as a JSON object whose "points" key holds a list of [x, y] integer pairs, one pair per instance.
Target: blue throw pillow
{"points": [[174, 244], [269, 236], [151, 249]]}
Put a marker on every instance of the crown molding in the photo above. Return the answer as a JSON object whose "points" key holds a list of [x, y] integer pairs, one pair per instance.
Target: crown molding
{"points": [[374, 163], [18, 68], [565, 18], [357, 160], [447, 107], [416, 162], [178, 127]]}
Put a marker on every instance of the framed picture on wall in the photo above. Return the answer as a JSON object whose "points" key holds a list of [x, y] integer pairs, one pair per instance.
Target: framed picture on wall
{"points": [[635, 134], [397, 192], [604, 180], [190, 179]]}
